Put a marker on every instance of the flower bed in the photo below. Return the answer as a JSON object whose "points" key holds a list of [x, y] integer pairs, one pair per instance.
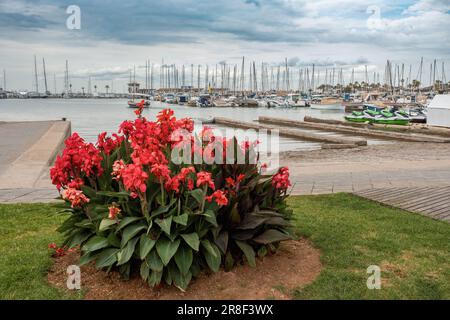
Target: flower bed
{"points": [[141, 201]]}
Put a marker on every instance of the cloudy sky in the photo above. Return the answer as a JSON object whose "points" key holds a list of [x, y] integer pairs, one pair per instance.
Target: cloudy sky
{"points": [[117, 34]]}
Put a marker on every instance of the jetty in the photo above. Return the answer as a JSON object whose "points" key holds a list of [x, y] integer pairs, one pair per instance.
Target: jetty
{"points": [[338, 126], [295, 133]]}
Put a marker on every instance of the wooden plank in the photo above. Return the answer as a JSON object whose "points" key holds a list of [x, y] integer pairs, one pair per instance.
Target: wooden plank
{"points": [[436, 210], [401, 199], [440, 211], [423, 192], [371, 192], [437, 198], [380, 192], [406, 193], [433, 202], [421, 199], [430, 206], [429, 203], [443, 216]]}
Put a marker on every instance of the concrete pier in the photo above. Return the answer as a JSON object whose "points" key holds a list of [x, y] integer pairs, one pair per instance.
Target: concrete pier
{"points": [[27, 150], [412, 137], [293, 133], [421, 129]]}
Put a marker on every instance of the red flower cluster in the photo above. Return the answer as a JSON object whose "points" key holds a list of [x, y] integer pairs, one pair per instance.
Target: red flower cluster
{"points": [[281, 179], [232, 182], [219, 196], [161, 172], [77, 160], [174, 183], [204, 178], [143, 157], [140, 106], [59, 251], [75, 197], [108, 144], [134, 178]]}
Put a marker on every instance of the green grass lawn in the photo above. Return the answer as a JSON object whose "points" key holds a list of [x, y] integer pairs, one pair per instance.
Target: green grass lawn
{"points": [[352, 233], [25, 232], [412, 251]]}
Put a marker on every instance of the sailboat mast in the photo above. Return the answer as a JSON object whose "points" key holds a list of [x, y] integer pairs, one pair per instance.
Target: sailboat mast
{"points": [[35, 75], [45, 75], [151, 77], [242, 75]]}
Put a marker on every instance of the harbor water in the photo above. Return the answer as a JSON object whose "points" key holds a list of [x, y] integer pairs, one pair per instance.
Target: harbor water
{"points": [[89, 117]]}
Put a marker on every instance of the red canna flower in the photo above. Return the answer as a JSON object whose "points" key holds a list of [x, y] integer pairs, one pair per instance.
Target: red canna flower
{"points": [[117, 168], [219, 197], [75, 197], [140, 106], [204, 178], [52, 245], [190, 184], [161, 171], [113, 212], [78, 159], [173, 184], [281, 179], [75, 183], [134, 178], [230, 182], [108, 144]]}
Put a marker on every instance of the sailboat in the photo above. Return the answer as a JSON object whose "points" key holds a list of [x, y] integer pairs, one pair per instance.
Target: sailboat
{"points": [[132, 103]]}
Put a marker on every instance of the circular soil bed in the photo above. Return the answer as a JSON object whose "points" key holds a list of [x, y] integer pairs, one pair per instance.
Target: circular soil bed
{"points": [[295, 264]]}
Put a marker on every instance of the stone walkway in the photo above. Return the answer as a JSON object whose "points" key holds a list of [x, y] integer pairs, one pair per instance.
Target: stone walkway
{"points": [[323, 178], [28, 195]]}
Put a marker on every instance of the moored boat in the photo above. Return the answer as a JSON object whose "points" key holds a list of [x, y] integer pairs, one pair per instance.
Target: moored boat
{"points": [[140, 104]]}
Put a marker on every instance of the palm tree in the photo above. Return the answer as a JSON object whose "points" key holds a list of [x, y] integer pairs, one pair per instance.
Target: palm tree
{"points": [[107, 87], [95, 88], [82, 89]]}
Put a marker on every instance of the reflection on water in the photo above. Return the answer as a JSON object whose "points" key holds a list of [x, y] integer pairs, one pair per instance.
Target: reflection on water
{"points": [[92, 116]]}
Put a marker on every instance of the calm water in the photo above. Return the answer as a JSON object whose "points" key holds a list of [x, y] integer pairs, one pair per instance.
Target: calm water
{"points": [[89, 117]]}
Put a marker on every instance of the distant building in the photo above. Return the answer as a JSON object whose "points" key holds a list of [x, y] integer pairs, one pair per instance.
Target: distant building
{"points": [[133, 87], [3, 94]]}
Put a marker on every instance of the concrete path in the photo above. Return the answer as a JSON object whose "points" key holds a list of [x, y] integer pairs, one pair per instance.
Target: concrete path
{"points": [[17, 137], [27, 150], [28, 195]]}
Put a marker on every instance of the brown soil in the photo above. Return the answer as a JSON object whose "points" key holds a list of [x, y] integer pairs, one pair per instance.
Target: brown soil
{"points": [[295, 265]]}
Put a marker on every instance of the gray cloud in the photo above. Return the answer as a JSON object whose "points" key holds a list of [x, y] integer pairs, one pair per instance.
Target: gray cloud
{"points": [[120, 33]]}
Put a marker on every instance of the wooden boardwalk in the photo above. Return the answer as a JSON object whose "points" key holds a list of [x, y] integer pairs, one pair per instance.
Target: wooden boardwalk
{"points": [[433, 202]]}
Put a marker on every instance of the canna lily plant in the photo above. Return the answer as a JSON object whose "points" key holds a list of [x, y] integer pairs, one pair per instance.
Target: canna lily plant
{"points": [[134, 209]]}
